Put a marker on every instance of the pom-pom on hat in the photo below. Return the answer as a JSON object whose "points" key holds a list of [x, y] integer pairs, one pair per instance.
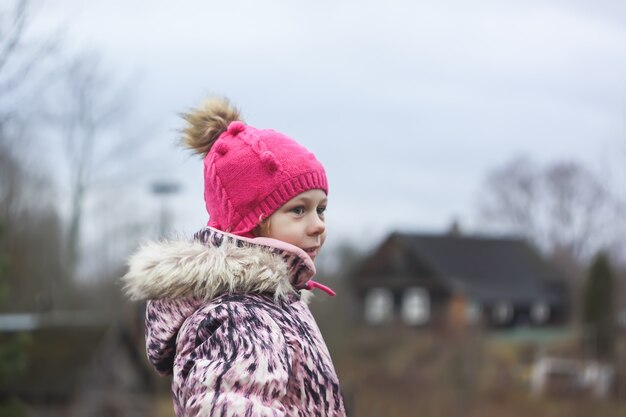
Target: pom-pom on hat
{"points": [[248, 173]]}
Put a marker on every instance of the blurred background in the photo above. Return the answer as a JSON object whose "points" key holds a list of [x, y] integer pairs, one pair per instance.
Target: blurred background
{"points": [[476, 153]]}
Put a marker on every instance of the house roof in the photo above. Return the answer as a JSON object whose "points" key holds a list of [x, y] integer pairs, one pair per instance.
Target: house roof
{"points": [[54, 360], [56, 350], [486, 269]]}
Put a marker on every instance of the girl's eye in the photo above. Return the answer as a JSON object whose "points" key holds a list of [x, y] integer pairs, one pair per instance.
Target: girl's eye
{"points": [[298, 210], [321, 211]]}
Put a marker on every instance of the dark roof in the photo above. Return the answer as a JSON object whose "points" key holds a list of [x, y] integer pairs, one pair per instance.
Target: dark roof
{"points": [[485, 268], [57, 350], [55, 358]]}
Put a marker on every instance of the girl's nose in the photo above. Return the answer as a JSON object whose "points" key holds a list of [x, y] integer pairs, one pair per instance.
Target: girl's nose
{"points": [[317, 226]]}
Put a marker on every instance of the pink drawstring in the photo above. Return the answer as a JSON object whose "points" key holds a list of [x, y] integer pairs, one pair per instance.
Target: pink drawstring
{"points": [[314, 284]]}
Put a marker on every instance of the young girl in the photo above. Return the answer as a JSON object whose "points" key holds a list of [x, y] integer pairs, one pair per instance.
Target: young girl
{"points": [[226, 311]]}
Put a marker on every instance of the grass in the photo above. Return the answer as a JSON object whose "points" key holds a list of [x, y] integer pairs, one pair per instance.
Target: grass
{"points": [[395, 372]]}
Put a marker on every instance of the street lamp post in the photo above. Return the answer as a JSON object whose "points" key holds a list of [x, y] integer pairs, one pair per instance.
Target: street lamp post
{"points": [[164, 189]]}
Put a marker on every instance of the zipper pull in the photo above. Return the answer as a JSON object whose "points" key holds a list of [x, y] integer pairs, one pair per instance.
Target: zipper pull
{"points": [[310, 285]]}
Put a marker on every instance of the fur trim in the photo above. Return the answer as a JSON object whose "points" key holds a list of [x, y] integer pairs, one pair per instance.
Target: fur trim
{"points": [[306, 296], [185, 268]]}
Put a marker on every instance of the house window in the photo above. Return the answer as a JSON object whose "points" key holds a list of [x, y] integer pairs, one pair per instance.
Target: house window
{"points": [[621, 318], [473, 312], [415, 306], [540, 312], [502, 313], [378, 306]]}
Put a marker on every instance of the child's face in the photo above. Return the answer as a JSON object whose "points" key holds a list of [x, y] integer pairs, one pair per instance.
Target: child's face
{"points": [[300, 221]]}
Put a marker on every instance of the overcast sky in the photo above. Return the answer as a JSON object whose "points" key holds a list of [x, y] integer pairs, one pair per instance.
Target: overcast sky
{"points": [[407, 103]]}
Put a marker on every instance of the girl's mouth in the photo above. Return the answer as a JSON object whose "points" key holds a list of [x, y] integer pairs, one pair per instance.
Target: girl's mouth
{"points": [[312, 252]]}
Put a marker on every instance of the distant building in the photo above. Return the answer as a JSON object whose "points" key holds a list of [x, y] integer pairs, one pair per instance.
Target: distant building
{"points": [[423, 279], [75, 363]]}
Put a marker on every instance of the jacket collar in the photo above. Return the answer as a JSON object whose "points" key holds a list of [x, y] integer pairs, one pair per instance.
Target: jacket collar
{"points": [[216, 263]]}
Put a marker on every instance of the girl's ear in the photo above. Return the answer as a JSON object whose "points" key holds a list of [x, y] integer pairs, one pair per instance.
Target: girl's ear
{"points": [[263, 228]]}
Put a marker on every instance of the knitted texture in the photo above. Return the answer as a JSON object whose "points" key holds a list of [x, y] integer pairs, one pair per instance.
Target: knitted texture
{"points": [[249, 173]]}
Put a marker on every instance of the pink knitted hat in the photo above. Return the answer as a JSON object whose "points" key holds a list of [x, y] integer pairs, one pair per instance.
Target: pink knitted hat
{"points": [[249, 173]]}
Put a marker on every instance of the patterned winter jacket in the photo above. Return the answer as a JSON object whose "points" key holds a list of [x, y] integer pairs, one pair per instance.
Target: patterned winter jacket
{"points": [[226, 318]]}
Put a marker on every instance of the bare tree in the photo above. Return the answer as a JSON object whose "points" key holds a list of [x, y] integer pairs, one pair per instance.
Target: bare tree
{"points": [[613, 168], [100, 151], [577, 209], [87, 107], [31, 235], [563, 207], [509, 197], [84, 117], [31, 239], [26, 63]]}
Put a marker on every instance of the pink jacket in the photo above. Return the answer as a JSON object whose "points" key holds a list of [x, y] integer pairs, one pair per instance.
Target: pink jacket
{"points": [[225, 315]]}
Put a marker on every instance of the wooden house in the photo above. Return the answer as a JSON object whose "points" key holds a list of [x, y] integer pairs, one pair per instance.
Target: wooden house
{"points": [[425, 279], [74, 363]]}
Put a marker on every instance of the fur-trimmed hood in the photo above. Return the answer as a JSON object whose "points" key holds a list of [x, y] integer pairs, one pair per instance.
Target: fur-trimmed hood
{"points": [[179, 277], [216, 263], [224, 319]]}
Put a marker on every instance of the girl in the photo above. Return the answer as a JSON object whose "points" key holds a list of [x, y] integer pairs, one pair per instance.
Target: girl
{"points": [[226, 311]]}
